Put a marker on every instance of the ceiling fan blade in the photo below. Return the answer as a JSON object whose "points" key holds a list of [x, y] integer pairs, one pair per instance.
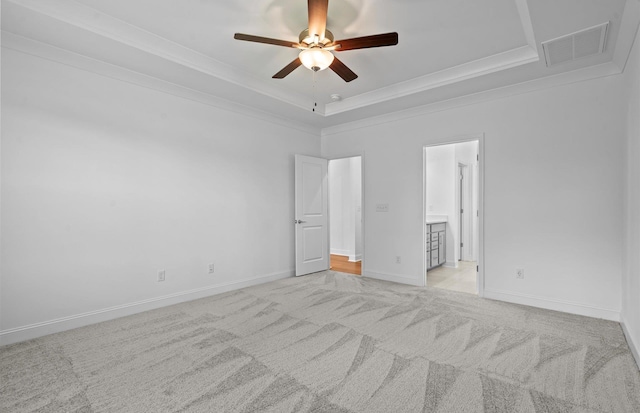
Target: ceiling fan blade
{"points": [[342, 70], [317, 17], [266, 40], [288, 69], [376, 40]]}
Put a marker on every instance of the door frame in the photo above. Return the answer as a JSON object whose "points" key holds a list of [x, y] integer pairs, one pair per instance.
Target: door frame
{"points": [[362, 194], [480, 279]]}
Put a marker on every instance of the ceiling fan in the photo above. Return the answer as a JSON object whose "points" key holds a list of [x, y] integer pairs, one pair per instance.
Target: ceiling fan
{"points": [[317, 43]]}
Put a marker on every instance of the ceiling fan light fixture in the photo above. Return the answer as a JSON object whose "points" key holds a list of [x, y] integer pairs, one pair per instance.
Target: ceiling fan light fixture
{"points": [[317, 44], [316, 58]]}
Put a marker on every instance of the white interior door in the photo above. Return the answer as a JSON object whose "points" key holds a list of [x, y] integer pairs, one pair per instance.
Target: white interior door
{"points": [[312, 215]]}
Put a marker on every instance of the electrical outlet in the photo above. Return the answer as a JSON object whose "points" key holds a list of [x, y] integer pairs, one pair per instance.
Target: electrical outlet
{"points": [[382, 207], [212, 268], [161, 275], [520, 273], [398, 259]]}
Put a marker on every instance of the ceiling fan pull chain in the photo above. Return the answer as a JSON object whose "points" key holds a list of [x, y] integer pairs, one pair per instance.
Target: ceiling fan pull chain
{"points": [[315, 102]]}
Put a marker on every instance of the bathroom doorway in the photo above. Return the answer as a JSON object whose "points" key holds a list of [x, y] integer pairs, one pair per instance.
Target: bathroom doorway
{"points": [[452, 224]]}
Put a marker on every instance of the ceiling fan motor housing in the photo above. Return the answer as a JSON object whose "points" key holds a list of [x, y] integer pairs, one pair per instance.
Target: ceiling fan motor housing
{"points": [[308, 39]]}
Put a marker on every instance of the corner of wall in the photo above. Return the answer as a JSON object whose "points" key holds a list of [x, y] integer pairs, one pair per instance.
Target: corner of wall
{"points": [[635, 349], [630, 315]]}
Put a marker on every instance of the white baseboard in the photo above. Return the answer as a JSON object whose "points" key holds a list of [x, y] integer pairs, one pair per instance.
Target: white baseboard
{"points": [[337, 251], [15, 335], [551, 304], [450, 264], [351, 257], [401, 279], [633, 346]]}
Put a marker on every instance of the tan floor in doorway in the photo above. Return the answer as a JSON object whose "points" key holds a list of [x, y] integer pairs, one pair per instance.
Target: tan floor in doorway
{"points": [[461, 279], [342, 264]]}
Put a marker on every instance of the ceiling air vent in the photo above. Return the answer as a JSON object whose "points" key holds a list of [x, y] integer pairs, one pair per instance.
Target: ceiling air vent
{"points": [[576, 45]]}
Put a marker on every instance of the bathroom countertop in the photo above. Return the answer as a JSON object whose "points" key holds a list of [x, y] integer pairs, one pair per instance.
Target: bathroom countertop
{"points": [[436, 219]]}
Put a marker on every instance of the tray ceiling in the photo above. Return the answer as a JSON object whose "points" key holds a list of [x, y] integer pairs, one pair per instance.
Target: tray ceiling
{"points": [[447, 48]]}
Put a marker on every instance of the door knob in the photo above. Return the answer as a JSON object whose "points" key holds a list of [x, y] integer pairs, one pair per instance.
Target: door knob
{"points": [[298, 221]]}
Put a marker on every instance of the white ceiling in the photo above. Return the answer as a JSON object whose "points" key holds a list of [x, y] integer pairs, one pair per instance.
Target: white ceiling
{"points": [[446, 49]]}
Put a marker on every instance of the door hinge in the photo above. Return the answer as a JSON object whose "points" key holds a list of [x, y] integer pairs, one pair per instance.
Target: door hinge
{"points": [[477, 157], [461, 244], [461, 210], [477, 268]]}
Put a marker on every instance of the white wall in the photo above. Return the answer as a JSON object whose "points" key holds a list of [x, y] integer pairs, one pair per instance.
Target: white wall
{"points": [[104, 183], [345, 194], [553, 192], [631, 273]]}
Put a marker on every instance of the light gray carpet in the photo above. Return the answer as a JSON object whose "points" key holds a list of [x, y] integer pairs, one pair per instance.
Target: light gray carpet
{"points": [[328, 342]]}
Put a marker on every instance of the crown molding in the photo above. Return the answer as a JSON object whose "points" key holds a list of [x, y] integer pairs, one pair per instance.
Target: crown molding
{"points": [[45, 51], [588, 73], [527, 26], [93, 21], [502, 61], [97, 22], [627, 34]]}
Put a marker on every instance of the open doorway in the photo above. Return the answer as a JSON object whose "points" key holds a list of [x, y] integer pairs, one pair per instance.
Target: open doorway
{"points": [[452, 221], [345, 214]]}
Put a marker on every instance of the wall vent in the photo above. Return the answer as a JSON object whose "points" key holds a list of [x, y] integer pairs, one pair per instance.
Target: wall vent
{"points": [[576, 45]]}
